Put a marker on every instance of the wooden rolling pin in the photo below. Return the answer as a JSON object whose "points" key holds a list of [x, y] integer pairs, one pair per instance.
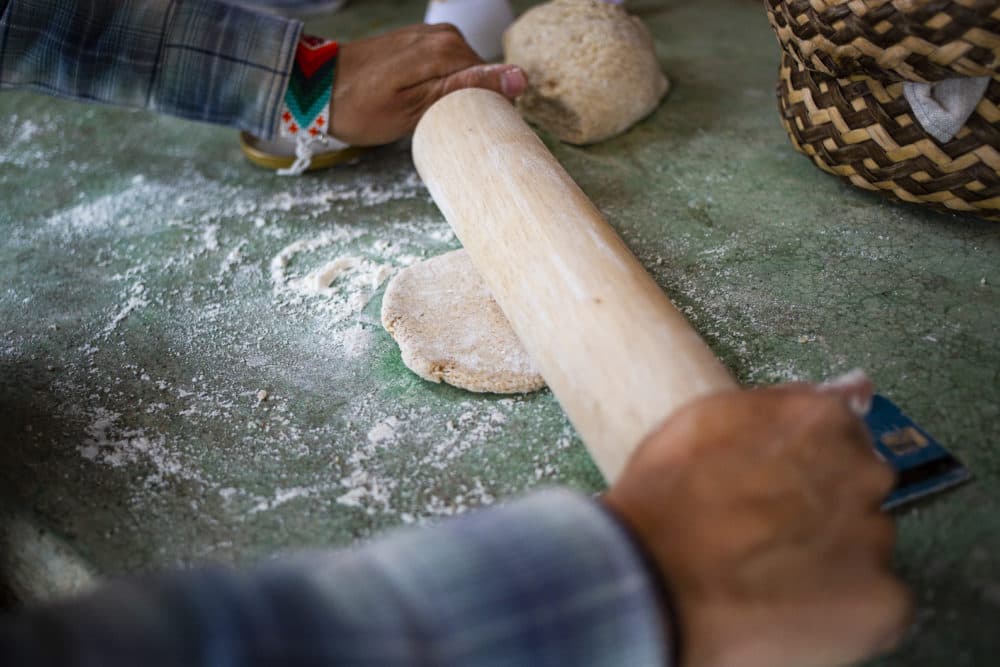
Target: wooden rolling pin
{"points": [[615, 352]]}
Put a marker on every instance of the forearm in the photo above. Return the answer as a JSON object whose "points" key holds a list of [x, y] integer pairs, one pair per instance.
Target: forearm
{"points": [[550, 580], [199, 59]]}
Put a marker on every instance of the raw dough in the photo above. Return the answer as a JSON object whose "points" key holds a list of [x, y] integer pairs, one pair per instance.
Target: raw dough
{"points": [[450, 329], [592, 69]]}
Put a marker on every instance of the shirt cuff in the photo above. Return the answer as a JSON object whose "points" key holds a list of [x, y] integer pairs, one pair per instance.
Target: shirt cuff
{"points": [[225, 64]]}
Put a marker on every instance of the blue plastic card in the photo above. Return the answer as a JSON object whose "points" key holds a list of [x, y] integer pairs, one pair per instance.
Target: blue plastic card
{"points": [[923, 466]]}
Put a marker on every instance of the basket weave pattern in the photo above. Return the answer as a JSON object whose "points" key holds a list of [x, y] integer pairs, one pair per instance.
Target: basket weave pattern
{"points": [[840, 92], [862, 130], [912, 40]]}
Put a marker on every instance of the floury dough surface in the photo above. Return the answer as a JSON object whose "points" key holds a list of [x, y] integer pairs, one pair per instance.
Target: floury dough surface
{"points": [[450, 329], [592, 69]]}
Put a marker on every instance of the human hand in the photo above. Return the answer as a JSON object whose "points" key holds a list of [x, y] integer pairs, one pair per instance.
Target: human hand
{"points": [[385, 83], [761, 510]]}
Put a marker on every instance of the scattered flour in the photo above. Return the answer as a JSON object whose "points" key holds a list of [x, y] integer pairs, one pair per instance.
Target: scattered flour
{"points": [[110, 444], [137, 298], [384, 431], [357, 340], [305, 262], [210, 238], [233, 259], [478, 428], [279, 263], [356, 276], [282, 496], [345, 284], [21, 150], [179, 432]]}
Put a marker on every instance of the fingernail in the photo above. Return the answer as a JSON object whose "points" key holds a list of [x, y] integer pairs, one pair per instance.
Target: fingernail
{"points": [[848, 379], [513, 82], [856, 388]]}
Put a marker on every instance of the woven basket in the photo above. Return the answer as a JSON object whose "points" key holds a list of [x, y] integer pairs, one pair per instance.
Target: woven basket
{"points": [[864, 131], [891, 40]]}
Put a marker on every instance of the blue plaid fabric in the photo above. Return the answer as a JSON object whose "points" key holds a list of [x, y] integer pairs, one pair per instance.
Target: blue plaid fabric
{"points": [[548, 581], [197, 59]]}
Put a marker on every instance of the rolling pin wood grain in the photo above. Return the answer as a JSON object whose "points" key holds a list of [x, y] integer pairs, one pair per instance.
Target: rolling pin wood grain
{"points": [[618, 356]]}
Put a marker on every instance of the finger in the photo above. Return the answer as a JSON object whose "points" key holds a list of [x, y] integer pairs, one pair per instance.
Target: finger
{"points": [[835, 417], [856, 430], [508, 80], [441, 27], [878, 479], [878, 534], [821, 412], [854, 387], [870, 478], [441, 52], [785, 388]]}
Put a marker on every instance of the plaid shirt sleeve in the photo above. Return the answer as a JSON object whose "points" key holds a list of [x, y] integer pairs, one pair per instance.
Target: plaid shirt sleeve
{"points": [[198, 59], [548, 581]]}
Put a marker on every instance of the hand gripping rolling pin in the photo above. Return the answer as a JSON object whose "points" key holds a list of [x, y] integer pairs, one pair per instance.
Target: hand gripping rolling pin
{"points": [[618, 356]]}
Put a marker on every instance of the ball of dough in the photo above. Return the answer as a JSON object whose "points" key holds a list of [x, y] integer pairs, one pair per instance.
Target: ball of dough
{"points": [[450, 329], [592, 69]]}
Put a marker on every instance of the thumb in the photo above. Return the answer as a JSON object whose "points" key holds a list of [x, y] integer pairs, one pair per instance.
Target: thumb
{"points": [[508, 80], [855, 388]]}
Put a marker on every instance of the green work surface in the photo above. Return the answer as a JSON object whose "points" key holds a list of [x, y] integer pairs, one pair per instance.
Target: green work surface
{"points": [[150, 287]]}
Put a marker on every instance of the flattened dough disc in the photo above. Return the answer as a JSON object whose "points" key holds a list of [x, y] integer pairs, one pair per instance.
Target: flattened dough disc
{"points": [[450, 329]]}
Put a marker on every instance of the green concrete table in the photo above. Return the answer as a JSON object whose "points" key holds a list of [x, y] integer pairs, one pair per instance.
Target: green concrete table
{"points": [[148, 293]]}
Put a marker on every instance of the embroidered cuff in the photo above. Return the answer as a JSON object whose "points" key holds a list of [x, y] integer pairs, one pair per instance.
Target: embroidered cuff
{"points": [[305, 110]]}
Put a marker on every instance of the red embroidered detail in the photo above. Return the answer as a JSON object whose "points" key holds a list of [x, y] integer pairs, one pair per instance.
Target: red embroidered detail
{"points": [[311, 57]]}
